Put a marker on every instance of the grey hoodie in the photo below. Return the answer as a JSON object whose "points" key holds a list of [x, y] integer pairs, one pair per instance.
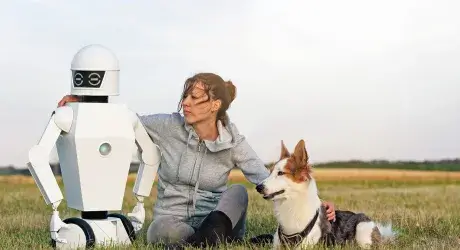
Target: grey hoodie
{"points": [[193, 175]]}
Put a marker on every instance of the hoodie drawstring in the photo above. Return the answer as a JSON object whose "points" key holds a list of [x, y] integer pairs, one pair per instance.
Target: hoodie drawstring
{"points": [[186, 151], [198, 179]]}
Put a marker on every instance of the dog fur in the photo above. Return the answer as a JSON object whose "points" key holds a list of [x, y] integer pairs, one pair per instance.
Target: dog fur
{"points": [[294, 193]]}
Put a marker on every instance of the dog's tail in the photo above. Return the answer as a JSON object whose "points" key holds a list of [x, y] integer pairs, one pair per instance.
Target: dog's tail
{"points": [[387, 232]]}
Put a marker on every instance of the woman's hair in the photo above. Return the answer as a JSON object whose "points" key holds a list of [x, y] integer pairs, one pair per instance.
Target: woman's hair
{"points": [[216, 88]]}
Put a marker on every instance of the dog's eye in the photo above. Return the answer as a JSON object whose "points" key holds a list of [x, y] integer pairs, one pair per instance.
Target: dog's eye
{"points": [[280, 173]]}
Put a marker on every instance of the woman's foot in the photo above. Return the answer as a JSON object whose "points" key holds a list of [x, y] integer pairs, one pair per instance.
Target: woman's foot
{"points": [[216, 228]]}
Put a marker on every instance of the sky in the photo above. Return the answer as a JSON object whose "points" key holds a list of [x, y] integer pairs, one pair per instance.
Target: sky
{"points": [[354, 79]]}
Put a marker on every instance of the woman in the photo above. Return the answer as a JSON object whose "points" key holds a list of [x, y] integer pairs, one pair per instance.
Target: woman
{"points": [[199, 150]]}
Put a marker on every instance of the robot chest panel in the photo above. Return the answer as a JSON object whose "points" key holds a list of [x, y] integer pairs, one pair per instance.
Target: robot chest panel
{"points": [[102, 135], [103, 122]]}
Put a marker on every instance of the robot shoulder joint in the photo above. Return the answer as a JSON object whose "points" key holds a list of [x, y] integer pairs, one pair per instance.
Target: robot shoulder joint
{"points": [[63, 117], [134, 118]]}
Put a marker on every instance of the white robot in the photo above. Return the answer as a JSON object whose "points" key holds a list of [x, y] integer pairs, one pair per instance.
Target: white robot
{"points": [[94, 141]]}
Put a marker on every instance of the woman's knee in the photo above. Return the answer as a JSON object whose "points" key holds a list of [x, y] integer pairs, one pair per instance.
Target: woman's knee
{"points": [[238, 192], [234, 201], [168, 229]]}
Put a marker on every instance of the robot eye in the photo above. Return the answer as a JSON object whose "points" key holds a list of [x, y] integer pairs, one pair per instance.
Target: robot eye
{"points": [[78, 79], [94, 79]]}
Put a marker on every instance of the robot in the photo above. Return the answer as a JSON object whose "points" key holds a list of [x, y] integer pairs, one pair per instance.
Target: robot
{"points": [[94, 141]]}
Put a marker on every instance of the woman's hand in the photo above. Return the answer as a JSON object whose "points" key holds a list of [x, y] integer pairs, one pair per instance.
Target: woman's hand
{"points": [[68, 98], [330, 210]]}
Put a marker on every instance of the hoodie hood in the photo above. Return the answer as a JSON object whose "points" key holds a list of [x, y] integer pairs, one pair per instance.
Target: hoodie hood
{"points": [[228, 136]]}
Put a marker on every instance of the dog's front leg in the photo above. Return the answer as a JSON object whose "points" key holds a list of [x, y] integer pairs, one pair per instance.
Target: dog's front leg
{"points": [[313, 237]]}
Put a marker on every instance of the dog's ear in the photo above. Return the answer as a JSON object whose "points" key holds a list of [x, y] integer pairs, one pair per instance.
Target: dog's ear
{"points": [[284, 152], [300, 154], [304, 173]]}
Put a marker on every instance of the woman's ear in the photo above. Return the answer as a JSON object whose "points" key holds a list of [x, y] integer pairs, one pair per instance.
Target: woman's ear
{"points": [[216, 105]]}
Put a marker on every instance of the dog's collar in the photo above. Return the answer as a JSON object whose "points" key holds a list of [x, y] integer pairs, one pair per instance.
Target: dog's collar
{"points": [[295, 239]]}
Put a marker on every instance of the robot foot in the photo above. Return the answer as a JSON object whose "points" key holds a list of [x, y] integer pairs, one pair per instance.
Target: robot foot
{"points": [[116, 229], [79, 234], [127, 224]]}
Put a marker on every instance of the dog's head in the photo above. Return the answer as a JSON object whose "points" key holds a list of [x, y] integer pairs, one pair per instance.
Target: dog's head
{"points": [[289, 174]]}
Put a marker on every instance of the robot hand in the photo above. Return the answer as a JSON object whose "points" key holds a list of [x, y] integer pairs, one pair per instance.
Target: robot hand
{"points": [[56, 224], [137, 216]]}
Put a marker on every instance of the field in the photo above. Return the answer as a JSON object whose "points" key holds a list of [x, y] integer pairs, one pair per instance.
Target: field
{"points": [[422, 206]]}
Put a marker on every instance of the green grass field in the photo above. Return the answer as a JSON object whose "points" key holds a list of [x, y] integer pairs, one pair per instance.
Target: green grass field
{"points": [[423, 206]]}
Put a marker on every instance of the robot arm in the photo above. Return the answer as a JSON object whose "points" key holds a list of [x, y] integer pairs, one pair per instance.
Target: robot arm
{"points": [[39, 167], [150, 161]]}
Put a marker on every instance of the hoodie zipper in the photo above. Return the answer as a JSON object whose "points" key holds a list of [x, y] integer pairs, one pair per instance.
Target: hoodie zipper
{"points": [[191, 176]]}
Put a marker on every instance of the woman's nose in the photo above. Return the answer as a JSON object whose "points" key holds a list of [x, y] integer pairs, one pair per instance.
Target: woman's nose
{"points": [[186, 103]]}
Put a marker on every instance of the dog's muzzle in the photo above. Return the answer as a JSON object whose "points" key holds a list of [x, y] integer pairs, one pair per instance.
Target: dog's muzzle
{"points": [[272, 195], [261, 189]]}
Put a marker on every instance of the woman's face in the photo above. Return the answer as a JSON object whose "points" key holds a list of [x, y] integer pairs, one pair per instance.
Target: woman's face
{"points": [[198, 106]]}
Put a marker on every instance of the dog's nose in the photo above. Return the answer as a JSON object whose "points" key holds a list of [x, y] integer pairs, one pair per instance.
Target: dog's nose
{"points": [[260, 188]]}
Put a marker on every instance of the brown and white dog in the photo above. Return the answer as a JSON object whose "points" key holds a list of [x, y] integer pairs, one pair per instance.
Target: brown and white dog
{"points": [[301, 217]]}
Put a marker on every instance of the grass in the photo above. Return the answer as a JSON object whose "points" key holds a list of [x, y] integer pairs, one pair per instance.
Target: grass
{"points": [[423, 206]]}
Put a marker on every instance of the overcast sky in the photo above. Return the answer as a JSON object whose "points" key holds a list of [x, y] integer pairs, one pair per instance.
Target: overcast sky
{"points": [[355, 79]]}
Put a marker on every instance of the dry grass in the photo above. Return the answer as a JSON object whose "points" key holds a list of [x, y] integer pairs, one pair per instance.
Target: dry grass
{"points": [[329, 174], [423, 206], [334, 174]]}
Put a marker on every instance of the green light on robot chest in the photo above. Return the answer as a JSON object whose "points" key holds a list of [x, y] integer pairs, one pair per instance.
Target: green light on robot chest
{"points": [[105, 148]]}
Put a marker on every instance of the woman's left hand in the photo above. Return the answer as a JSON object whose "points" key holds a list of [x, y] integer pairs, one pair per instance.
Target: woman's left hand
{"points": [[330, 210]]}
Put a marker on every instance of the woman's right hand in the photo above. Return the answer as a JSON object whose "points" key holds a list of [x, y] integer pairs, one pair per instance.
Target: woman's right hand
{"points": [[68, 98]]}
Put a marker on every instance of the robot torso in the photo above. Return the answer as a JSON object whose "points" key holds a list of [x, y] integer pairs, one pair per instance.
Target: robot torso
{"points": [[95, 155]]}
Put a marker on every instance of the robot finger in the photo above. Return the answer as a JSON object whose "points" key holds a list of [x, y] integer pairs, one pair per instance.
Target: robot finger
{"points": [[134, 217], [55, 237], [137, 226], [60, 240], [64, 225]]}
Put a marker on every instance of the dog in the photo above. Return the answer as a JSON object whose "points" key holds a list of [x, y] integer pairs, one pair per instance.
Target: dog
{"points": [[299, 212]]}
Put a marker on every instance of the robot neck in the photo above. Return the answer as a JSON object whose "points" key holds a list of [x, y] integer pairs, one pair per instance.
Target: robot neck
{"points": [[95, 99]]}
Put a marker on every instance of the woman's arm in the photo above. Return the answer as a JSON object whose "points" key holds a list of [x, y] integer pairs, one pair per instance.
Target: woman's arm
{"points": [[251, 165], [156, 125]]}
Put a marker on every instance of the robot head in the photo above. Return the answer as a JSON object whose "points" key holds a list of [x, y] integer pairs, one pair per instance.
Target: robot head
{"points": [[95, 72]]}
